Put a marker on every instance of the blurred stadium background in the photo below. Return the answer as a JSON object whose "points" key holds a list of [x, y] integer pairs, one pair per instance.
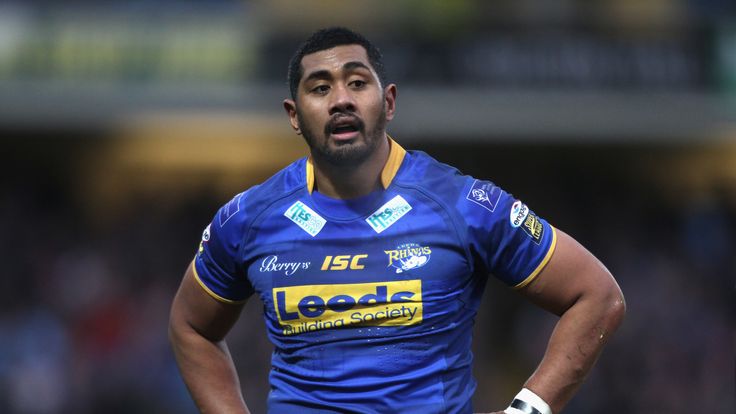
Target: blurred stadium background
{"points": [[124, 125]]}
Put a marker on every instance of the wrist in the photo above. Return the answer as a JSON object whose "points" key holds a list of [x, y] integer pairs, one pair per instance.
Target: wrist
{"points": [[527, 402]]}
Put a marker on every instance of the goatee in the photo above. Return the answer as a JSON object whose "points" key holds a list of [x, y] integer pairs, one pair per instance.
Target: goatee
{"points": [[348, 153]]}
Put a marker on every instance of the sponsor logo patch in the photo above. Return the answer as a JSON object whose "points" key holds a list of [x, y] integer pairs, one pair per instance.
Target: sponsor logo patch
{"points": [[271, 264], [343, 262], [230, 209], [206, 234], [408, 256], [205, 239], [518, 214], [309, 308], [484, 194], [388, 214], [305, 218], [533, 227]]}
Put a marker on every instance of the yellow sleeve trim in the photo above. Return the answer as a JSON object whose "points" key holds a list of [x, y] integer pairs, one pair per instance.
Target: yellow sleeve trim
{"points": [[210, 292], [541, 265]]}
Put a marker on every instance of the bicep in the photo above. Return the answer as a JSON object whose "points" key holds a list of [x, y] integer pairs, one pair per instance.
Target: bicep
{"points": [[571, 273], [194, 308]]}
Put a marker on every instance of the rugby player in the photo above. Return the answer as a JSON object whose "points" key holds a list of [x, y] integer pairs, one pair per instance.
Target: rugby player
{"points": [[371, 261]]}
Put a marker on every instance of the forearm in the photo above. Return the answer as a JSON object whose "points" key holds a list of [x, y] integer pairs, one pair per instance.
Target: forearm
{"points": [[208, 372], [575, 344]]}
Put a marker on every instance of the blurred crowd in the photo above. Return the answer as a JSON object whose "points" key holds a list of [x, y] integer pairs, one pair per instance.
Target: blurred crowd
{"points": [[84, 313], [84, 304]]}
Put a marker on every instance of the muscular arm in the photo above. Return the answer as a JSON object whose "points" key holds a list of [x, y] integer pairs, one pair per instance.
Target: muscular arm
{"points": [[578, 288], [197, 327]]}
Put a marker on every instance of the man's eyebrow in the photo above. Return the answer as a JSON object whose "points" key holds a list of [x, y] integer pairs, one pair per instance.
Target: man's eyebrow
{"points": [[318, 74], [325, 74], [354, 65]]}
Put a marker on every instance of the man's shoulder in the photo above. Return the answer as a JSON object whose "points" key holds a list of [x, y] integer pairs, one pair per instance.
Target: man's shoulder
{"points": [[423, 171], [284, 182], [248, 204], [455, 191]]}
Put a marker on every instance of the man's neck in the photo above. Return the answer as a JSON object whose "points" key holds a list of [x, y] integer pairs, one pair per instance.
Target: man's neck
{"points": [[352, 181]]}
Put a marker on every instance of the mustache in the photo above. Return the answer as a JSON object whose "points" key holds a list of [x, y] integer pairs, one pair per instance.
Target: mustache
{"points": [[343, 118]]}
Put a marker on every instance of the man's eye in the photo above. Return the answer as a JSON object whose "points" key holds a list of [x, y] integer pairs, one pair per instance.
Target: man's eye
{"points": [[358, 83], [321, 89]]}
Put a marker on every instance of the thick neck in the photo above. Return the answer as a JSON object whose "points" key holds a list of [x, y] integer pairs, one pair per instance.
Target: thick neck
{"points": [[352, 181]]}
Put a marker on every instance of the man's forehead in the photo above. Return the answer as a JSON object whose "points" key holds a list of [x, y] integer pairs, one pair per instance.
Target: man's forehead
{"points": [[334, 58]]}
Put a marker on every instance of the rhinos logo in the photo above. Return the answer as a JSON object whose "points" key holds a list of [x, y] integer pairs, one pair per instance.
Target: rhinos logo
{"points": [[408, 256]]}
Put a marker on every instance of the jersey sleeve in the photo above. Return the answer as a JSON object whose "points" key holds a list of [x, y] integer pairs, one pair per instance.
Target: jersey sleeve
{"points": [[217, 266], [505, 235]]}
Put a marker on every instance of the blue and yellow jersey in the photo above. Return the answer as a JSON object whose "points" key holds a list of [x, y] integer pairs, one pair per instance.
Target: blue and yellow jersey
{"points": [[370, 302]]}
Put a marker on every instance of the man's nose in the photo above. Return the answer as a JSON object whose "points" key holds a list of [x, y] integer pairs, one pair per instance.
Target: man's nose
{"points": [[341, 100]]}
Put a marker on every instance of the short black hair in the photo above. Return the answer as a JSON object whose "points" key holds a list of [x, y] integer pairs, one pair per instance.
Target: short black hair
{"points": [[327, 39]]}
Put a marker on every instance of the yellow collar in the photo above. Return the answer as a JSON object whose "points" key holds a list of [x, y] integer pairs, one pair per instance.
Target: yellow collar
{"points": [[395, 157]]}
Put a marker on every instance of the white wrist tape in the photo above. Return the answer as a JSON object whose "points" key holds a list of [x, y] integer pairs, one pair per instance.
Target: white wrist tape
{"points": [[527, 402]]}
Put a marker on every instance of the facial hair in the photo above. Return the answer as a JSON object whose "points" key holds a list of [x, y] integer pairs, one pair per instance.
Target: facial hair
{"points": [[346, 154]]}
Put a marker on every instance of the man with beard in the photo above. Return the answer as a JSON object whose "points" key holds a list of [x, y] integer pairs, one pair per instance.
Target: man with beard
{"points": [[371, 261]]}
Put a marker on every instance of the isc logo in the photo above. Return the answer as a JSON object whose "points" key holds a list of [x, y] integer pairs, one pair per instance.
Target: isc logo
{"points": [[343, 262]]}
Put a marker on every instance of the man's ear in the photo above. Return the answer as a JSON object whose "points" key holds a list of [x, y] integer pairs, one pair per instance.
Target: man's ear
{"points": [[390, 100], [290, 107]]}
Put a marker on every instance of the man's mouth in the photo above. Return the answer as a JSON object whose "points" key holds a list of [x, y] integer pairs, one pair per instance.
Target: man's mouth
{"points": [[344, 128]]}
